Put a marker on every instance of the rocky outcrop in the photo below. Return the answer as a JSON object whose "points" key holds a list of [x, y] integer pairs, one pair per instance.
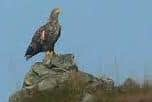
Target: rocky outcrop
{"points": [[43, 82]]}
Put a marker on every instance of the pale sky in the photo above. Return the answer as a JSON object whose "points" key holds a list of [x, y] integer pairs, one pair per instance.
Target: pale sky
{"points": [[95, 31]]}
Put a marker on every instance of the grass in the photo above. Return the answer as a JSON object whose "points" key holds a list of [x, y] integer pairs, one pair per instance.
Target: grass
{"points": [[73, 89]]}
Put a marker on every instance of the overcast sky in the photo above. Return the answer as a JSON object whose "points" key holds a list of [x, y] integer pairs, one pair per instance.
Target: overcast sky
{"points": [[95, 31]]}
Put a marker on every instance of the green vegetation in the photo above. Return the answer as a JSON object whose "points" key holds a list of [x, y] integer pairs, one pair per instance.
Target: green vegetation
{"points": [[62, 81], [129, 91], [72, 91]]}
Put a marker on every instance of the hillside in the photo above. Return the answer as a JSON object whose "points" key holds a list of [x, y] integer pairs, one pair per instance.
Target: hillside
{"points": [[60, 81]]}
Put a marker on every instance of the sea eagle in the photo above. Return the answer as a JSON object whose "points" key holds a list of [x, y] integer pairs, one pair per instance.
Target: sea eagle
{"points": [[45, 37]]}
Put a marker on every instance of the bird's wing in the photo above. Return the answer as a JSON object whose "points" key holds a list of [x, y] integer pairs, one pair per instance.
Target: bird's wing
{"points": [[39, 34], [35, 45]]}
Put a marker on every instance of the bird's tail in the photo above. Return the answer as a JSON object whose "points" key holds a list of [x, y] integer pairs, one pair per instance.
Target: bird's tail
{"points": [[29, 53]]}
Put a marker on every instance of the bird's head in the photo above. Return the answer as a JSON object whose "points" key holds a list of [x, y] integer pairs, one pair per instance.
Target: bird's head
{"points": [[55, 13]]}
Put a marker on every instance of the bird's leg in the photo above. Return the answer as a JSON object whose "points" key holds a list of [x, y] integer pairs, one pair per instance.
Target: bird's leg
{"points": [[48, 57]]}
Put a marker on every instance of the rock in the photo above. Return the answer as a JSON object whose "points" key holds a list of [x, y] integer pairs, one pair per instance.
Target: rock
{"points": [[48, 75], [55, 76]]}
